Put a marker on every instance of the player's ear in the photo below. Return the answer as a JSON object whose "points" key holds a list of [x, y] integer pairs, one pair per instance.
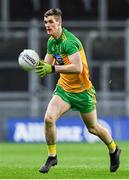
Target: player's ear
{"points": [[60, 21]]}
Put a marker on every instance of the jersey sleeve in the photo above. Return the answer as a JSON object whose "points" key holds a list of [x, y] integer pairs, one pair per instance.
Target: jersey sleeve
{"points": [[71, 47]]}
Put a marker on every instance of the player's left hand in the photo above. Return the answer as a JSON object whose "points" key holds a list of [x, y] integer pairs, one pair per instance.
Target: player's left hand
{"points": [[42, 69]]}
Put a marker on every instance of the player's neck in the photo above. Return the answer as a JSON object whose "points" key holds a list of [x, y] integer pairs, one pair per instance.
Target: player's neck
{"points": [[58, 34]]}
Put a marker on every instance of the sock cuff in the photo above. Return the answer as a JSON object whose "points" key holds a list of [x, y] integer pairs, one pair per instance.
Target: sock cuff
{"points": [[52, 150]]}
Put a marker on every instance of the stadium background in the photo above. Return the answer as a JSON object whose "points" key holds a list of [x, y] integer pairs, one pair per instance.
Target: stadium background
{"points": [[103, 27]]}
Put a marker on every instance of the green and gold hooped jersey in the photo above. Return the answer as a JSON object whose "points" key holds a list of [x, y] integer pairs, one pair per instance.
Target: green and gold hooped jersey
{"points": [[61, 49]]}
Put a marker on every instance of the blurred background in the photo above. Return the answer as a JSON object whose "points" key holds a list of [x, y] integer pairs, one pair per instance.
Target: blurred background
{"points": [[103, 28]]}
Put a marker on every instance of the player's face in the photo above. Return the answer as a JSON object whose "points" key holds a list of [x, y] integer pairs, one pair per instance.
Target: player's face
{"points": [[52, 25]]}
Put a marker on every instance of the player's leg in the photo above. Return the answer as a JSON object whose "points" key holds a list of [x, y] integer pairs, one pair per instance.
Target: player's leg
{"points": [[90, 119], [55, 109]]}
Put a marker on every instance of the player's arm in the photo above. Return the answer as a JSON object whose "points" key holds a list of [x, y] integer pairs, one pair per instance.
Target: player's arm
{"points": [[74, 67], [48, 59]]}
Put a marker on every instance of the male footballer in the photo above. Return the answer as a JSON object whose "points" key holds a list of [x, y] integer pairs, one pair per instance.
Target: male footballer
{"points": [[74, 90]]}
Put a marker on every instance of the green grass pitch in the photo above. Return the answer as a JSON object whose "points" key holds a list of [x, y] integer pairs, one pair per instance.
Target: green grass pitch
{"points": [[76, 161]]}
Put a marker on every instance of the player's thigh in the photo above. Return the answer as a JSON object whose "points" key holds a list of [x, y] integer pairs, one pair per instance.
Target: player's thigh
{"points": [[56, 107], [90, 119]]}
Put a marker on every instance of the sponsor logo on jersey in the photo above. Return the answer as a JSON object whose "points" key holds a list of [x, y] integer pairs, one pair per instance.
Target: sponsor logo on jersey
{"points": [[58, 59]]}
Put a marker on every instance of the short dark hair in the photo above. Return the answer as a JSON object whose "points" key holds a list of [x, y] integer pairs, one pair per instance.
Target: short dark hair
{"points": [[53, 12]]}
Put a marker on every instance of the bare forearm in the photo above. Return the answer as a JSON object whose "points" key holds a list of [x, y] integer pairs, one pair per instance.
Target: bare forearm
{"points": [[70, 68]]}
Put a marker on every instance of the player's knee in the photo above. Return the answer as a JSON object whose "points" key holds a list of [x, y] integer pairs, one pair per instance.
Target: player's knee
{"points": [[49, 120]]}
